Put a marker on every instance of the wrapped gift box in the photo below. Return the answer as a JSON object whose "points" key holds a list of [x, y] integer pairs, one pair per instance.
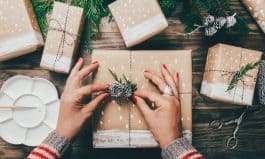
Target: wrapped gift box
{"points": [[63, 37], [223, 63], [19, 30], [121, 124], [257, 10], [138, 20]]}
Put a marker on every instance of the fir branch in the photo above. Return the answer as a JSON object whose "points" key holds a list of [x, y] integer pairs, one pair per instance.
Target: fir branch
{"points": [[240, 74], [168, 6], [115, 76]]}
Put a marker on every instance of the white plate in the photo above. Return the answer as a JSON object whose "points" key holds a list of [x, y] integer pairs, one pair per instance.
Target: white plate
{"points": [[28, 126]]}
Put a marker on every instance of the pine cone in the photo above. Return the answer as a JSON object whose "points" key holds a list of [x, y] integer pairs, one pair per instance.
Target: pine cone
{"points": [[230, 21], [116, 90], [208, 20], [210, 31], [127, 91], [219, 22], [120, 91]]}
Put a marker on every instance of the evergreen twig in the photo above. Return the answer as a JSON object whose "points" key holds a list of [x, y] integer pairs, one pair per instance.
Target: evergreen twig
{"points": [[240, 74]]}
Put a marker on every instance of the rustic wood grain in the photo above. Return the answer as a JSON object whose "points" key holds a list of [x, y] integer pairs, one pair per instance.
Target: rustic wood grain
{"points": [[211, 143]]}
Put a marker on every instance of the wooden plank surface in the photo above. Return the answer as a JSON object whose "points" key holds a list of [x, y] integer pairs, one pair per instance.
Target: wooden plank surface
{"points": [[211, 143]]}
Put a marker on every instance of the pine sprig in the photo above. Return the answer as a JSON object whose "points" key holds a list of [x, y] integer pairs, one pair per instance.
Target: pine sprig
{"points": [[115, 76], [168, 6], [240, 74]]}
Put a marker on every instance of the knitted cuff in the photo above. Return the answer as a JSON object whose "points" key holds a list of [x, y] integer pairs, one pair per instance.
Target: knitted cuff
{"points": [[177, 148], [57, 142]]}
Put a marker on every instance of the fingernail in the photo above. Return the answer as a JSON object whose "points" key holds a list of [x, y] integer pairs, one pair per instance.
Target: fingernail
{"points": [[134, 99], [106, 96], [145, 70], [165, 67], [94, 62], [177, 74], [80, 59]]}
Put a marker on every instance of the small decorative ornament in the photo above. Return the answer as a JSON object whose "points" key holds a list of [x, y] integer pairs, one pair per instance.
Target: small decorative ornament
{"points": [[230, 21], [212, 24], [219, 22], [208, 20], [120, 90], [210, 31]]}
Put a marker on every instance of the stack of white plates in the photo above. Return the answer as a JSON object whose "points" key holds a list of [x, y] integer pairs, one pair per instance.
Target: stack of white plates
{"points": [[36, 112]]}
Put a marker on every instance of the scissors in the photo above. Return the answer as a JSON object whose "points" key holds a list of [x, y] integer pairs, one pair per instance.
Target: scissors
{"points": [[231, 142]]}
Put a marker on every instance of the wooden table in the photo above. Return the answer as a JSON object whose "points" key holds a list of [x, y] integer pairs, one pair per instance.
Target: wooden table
{"points": [[211, 143]]}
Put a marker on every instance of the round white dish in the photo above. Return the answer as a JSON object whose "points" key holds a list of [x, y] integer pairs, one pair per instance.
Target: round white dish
{"points": [[28, 126]]}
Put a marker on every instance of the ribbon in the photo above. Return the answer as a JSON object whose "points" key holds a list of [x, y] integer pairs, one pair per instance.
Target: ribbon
{"points": [[63, 40], [236, 75]]}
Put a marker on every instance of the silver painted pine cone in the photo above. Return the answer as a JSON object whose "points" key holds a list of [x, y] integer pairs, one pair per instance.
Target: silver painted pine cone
{"points": [[219, 22], [210, 31], [230, 21], [208, 20]]}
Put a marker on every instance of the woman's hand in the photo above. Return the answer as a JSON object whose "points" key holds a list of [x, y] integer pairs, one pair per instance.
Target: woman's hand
{"points": [[73, 114], [164, 121]]}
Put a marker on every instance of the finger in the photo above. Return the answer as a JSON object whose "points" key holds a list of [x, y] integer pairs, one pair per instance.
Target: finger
{"points": [[89, 89], [155, 79], [91, 106], [143, 107], [156, 98], [86, 71], [77, 67], [79, 77], [169, 79], [176, 80]]}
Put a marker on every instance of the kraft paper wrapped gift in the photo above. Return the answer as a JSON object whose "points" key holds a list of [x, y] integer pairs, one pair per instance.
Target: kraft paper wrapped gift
{"points": [[257, 10], [223, 63], [63, 36], [138, 20], [19, 30], [121, 125]]}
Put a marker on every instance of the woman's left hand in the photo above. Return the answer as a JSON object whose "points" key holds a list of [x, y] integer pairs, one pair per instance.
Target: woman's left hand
{"points": [[73, 114]]}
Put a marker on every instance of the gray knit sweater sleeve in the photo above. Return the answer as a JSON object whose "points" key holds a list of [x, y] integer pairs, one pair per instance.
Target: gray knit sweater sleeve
{"points": [[180, 148]]}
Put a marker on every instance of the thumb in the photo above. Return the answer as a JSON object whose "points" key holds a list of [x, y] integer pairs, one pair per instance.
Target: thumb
{"points": [[143, 107]]}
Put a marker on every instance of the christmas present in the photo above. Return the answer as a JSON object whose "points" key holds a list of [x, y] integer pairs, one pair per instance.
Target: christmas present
{"points": [[120, 124], [138, 20], [230, 74], [63, 37], [19, 30], [257, 10]]}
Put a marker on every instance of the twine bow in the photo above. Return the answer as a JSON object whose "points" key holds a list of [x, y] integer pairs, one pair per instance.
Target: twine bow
{"points": [[67, 37]]}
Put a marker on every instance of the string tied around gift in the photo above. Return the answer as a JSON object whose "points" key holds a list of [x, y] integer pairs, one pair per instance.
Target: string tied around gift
{"points": [[235, 77], [67, 37]]}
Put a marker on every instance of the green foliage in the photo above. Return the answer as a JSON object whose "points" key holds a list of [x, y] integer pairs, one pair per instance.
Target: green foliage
{"points": [[115, 76], [169, 6], [41, 8], [240, 74], [195, 10]]}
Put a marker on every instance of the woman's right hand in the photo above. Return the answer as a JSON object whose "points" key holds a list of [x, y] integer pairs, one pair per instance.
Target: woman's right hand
{"points": [[165, 121]]}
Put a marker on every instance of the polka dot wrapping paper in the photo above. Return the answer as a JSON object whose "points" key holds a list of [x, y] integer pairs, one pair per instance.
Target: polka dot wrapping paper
{"points": [[63, 36], [19, 30], [121, 124], [138, 20], [223, 62], [257, 10]]}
